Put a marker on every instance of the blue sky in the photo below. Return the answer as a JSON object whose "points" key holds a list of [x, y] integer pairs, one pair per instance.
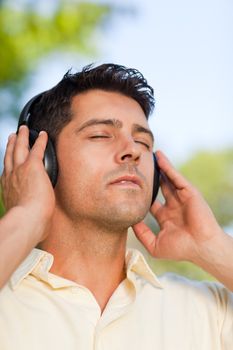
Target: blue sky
{"points": [[185, 50]]}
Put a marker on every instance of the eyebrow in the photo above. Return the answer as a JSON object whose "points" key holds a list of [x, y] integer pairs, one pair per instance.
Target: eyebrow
{"points": [[113, 122], [116, 124]]}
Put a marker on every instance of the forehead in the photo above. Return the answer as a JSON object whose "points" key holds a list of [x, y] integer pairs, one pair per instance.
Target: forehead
{"points": [[107, 104]]}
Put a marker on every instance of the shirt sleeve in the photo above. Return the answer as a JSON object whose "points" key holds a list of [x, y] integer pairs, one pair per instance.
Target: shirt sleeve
{"points": [[224, 303], [209, 302], [224, 299]]}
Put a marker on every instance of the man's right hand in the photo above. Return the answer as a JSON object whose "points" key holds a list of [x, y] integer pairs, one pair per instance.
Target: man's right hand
{"points": [[25, 183]]}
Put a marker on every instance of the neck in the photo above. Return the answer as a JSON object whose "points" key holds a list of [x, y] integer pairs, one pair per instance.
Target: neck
{"points": [[90, 255]]}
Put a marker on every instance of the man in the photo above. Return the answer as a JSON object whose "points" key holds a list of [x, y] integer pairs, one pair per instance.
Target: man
{"points": [[81, 289]]}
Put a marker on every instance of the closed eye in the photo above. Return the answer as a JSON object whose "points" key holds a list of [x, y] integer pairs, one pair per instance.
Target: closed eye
{"points": [[143, 143], [99, 137]]}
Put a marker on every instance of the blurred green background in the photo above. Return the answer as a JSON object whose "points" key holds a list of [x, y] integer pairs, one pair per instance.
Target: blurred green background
{"points": [[32, 32]]}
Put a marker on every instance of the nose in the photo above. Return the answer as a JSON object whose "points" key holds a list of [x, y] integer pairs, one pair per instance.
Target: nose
{"points": [[128, 151]]}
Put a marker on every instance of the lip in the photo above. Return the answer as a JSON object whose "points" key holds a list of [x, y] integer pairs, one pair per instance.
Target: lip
{"points": [[127, 180]]}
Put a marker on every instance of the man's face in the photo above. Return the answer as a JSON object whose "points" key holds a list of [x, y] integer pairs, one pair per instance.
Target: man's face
{"points": [[105, 161]]}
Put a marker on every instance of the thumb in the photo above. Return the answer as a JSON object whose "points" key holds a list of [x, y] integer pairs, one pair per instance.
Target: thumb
{"points": [[145, 236]]}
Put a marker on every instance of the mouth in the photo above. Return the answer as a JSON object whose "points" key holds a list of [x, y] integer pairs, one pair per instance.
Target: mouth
{"points": [[127, 181]]}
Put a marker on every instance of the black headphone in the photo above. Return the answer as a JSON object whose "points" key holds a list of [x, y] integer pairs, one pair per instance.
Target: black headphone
{"points": [[50, 159], [156, 179]]}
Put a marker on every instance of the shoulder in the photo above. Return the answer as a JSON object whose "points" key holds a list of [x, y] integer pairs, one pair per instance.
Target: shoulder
{"points": [[177, 282], [210, 294]]}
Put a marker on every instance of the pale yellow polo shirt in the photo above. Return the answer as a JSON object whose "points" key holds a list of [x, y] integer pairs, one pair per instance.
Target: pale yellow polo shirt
{"points": [[40, 311]]}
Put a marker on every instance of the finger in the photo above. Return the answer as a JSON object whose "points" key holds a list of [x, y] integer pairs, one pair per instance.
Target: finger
{"points": [[145, 236], [21, 149], [155, 207], [168, 190], [8, 158], [166, 186], [172, 174], [157, 211], [39, 146]]}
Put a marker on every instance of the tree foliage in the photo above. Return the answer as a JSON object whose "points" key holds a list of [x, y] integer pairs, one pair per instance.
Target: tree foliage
{"points": [[212, 174], [28, 35]]}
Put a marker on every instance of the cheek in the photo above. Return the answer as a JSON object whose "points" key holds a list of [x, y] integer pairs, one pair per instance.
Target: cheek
{"points": [[78, 173], [147, 169], [75, 189]]}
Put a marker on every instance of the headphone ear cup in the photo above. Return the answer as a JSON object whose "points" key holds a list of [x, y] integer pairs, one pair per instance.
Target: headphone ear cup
{"points": [[156, 179], [50, 159]]}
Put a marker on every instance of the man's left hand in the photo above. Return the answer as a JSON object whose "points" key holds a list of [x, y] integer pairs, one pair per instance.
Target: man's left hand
{"points": [[188, 228]]}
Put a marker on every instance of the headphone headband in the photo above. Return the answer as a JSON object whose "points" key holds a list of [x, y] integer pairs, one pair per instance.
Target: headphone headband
{"points": [[26, 112], [50, 160]]}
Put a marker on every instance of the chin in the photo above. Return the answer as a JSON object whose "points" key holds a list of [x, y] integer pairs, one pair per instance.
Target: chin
{"points": [[124, 215]]}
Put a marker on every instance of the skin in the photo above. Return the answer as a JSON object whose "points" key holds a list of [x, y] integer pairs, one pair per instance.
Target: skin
{"points": [[27, 192], [84, 222], [102, 153], [91, 233]]}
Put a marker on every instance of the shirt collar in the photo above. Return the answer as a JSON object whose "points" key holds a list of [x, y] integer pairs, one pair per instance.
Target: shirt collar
{"points": [[39, 262], [136, 264], [28, 265]]}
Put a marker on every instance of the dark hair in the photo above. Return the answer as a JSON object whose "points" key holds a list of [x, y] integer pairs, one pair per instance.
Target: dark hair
{"points": [[53, 111]]}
